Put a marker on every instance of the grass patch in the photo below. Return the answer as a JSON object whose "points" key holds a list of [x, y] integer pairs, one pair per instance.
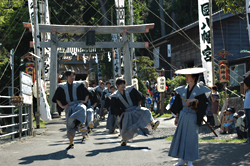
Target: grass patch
{"points": [[42, 123], [224, 140], [170, 138], [165, 115]]}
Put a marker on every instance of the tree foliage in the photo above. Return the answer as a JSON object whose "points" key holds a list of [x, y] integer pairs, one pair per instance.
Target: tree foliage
{"points": [[146, 69], [232, 6], [175, 82], [12, 15]]}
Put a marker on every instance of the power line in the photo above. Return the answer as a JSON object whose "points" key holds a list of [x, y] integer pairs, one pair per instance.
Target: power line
{"points": [[186, 36]]}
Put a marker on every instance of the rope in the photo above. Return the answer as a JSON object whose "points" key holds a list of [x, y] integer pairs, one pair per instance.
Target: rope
{"points": [[222, 32], [5, 70], [172, 66], [11, 22], [15, 25], [78, 22], [186, 36]]}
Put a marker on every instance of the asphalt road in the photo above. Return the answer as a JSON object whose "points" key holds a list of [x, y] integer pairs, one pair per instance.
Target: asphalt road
{"points": [[102, 148]]}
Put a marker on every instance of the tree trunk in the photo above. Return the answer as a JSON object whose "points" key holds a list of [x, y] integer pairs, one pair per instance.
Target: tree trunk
{"points": [[163, 31], [103, 10]]}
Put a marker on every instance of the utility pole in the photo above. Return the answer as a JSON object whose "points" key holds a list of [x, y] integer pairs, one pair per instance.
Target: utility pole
{"points": [[212, 39], [37, 52], [12, 86]]}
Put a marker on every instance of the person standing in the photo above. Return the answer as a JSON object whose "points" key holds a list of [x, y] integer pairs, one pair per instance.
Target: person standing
{"points": [[171, 101], [189, 107], [148, 102], [91, 104], [72, 96], [209, 114], [107, 90], [247, 106], [240, 125], [156, 99], [134, 119], [101, 95], [111, 121], [215, 105]]}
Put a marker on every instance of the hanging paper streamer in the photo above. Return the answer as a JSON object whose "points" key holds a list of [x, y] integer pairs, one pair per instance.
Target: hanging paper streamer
{"points": [[84, 58], [73, 53], [96, 58], [109, 56]]}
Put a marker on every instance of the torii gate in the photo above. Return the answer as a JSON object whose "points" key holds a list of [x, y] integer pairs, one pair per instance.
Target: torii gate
{"points": [[125, 44]]}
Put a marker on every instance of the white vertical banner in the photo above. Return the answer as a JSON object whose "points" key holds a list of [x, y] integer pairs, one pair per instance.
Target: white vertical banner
{"points": [[118, 58], [156, 57], [120, 11], [248, 15], [205, 40], [47, 38], [31, 13]]}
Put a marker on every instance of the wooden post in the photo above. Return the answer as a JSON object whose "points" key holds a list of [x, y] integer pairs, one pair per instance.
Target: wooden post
{"points": [[38, 74], [212, 40], [162, 95], [127, 59], [20, 121], [53, 74]]}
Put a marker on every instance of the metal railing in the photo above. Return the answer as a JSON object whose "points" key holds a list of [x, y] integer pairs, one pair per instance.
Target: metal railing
{"points": [[22, 126]]}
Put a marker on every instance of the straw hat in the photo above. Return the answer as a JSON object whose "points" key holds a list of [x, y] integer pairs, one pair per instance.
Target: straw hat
{"points": [[196, 70]]}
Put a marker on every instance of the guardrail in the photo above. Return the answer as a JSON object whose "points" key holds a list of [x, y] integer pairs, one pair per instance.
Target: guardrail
{"points": [[24, 124]]}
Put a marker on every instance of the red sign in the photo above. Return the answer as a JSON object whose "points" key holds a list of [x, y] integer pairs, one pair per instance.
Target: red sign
{"points": [[223, 71], [30, 69]]}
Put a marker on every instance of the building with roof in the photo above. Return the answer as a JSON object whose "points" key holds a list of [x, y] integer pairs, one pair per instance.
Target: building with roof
{"points": [[181, 47]]}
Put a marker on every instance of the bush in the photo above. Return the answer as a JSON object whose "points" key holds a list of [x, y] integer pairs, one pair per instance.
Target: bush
{"points": [[175, 82]]}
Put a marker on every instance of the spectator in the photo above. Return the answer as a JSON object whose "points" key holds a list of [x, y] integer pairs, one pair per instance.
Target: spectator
{"points": [[148, 102], [209, 114], [247, 106], [172, 94], [228, 124], [156, 99], [241, 126], [215, 105]]}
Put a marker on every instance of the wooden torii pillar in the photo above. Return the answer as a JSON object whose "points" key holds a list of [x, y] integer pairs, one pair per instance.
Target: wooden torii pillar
{"points": [[125, 44]]}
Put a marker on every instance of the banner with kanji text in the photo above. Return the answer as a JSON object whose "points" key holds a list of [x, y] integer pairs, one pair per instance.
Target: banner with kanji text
{"points": [[205, 40]]}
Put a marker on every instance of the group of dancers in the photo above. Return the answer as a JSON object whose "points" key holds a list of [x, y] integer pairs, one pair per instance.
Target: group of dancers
{"points": [[83, 105]]}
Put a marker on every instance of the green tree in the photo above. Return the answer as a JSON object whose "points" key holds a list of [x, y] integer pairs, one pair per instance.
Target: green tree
{"points": [[12, 15], [146, 69], [231, 6], [175, 82]]}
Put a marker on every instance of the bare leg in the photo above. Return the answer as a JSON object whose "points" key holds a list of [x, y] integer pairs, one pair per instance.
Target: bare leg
{"points": [[227, 128], [71, 139]]}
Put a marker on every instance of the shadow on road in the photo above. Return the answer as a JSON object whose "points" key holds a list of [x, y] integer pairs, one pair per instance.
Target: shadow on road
{"points": [[51, 156], [115, 149]]}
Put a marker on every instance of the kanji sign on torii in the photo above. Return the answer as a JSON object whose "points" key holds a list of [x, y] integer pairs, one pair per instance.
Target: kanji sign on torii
{"points": [[125, 44]]}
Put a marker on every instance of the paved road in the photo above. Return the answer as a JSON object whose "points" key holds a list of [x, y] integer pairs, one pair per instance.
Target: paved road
{"points": [[104, 149]]}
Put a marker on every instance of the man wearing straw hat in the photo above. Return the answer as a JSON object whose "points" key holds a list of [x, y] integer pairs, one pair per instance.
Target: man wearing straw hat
{"points": [[190, 107]]}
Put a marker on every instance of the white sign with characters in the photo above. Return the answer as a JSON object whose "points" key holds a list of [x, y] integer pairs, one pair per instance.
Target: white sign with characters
{"points": [[161, 83], [205, 40]]}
